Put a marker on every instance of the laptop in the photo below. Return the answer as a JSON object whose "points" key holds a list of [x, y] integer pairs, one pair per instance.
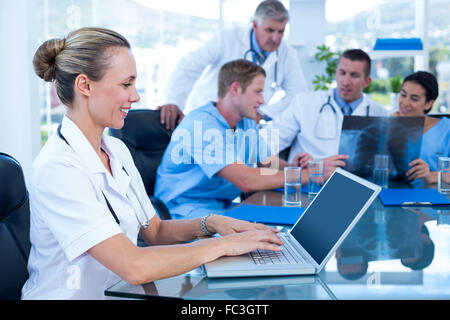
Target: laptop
{"points": [[313, 239]]}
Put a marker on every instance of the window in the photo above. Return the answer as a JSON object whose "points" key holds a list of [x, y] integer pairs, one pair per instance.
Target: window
{"points": [[357, 24], [160, 33]]}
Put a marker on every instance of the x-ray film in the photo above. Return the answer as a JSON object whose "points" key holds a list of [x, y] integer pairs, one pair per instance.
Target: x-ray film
{"points": [[364, 137]]}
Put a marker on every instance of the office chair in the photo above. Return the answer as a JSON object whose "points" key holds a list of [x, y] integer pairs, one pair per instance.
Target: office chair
{"points": [[284, 154], [14, 228], [439, 115], [146, 139]]}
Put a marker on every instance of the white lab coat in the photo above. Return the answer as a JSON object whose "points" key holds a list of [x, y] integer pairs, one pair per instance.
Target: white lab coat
{"points": [[296, 127], [201, 68], [69, 214]]}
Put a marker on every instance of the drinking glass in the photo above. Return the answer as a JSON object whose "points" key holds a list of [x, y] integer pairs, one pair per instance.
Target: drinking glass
{"points": [[292, 186], [315, 177], [381, 170]]}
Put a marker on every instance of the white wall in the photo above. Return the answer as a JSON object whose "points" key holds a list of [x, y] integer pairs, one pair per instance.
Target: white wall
{"points": [[307, 31], [421, 20], [19, 110]]}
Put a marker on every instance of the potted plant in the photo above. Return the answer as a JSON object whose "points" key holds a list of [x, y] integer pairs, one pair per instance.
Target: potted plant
{"points": [[396, 86], [324, 54]]}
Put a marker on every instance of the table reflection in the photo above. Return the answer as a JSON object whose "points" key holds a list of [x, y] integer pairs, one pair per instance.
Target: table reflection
{"points": [[386, 234], [261, 288], [392, 253]]}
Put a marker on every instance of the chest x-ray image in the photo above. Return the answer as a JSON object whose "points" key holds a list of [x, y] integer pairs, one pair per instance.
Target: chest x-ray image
{"points": [[364, 137]]}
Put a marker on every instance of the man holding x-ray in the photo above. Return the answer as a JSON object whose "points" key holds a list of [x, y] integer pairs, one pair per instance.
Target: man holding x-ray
{"points": [[195, 76], [312, 122]]}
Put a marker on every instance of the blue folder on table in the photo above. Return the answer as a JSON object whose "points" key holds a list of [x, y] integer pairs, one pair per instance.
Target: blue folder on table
{"points": [[266, 214], [412, 197]]}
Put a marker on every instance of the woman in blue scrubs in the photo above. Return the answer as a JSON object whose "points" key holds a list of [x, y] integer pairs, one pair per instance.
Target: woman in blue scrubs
{"points": [[419, 91]]}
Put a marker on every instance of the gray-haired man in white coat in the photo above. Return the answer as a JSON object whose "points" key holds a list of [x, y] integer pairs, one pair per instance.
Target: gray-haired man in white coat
{"points": [[194, 80]]}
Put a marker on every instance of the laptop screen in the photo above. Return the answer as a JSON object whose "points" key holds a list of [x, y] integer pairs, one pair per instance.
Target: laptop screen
{"points": [[327, 218]]}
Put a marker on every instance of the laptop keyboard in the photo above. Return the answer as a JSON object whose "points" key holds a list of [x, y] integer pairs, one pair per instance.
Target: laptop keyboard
{"points": [[285, 256]]}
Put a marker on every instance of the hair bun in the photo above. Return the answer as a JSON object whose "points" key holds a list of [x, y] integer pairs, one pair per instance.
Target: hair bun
{"points": [[44, 61]]}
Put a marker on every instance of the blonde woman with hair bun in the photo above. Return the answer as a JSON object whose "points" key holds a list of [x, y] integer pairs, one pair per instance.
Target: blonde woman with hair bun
{"points": [[88, 202]]}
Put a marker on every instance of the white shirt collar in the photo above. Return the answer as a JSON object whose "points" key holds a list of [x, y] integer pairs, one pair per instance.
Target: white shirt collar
{"points": [[81, 146], [271, 57], [363, 101]]}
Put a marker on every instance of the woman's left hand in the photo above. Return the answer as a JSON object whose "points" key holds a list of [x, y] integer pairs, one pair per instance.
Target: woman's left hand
{"points": [[420, 170], [226, 225]]}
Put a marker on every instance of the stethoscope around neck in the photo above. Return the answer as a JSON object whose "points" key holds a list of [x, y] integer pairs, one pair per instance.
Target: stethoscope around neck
{"points": [[328, 104], [275, 86], [319, 133], [143, 222]]}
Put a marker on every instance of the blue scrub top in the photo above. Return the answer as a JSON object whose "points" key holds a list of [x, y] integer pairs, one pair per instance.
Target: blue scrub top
{"points": [[201, 146], [435, 144]]}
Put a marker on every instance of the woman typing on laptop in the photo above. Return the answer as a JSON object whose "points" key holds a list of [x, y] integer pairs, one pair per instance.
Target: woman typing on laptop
{"points": [[88, 202], [419, 92]]}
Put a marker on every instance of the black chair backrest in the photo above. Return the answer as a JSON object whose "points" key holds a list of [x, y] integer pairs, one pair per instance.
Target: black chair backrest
{"points": [[284, 154], [146, 139], [14, 228], [439, 115]]}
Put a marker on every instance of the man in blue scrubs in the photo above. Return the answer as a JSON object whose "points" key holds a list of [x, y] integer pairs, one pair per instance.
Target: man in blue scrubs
{"points": [[214, 152]]}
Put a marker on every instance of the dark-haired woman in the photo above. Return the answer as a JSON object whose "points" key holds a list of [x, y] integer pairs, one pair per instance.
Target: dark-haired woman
{"points": [[419, 91]]}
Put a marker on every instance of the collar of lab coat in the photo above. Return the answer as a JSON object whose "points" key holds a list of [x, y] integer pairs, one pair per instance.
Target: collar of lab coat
{"points": [[84, 150], [245, 37], [364, 102]]}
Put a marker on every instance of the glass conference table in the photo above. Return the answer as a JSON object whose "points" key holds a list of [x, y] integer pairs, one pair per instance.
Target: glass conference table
{"points": [[392, 253]]}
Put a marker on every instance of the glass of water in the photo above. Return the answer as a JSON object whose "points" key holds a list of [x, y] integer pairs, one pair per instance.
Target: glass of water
{"points": [[444, 175], [315, 177], [381, 170], [443, 218], [292, 186]]}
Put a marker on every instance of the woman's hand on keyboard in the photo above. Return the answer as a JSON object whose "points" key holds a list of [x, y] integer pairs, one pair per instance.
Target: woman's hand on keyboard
{"points": [[226, 225], [244, 242]]}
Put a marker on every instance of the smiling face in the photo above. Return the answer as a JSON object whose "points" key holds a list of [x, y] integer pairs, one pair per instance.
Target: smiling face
{"points": [[112, 96], [269, 34], [351, 79], [249, 100], [412, 100]]}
